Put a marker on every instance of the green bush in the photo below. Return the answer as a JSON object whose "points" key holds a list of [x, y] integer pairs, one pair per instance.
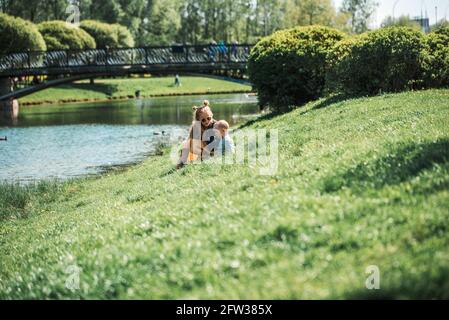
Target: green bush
{"points": [[124, 36], [108, 35], [103, 33], [18, 35], [289, 67], [442, 29], [438, 71], [338, 53], [59, 35], [385, 60]]}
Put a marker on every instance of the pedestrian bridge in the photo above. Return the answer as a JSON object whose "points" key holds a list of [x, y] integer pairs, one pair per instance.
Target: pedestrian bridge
{"points": [[71, 65]]}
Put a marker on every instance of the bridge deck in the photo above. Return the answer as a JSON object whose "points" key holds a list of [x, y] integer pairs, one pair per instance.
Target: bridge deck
{"points": [[125, 60]]}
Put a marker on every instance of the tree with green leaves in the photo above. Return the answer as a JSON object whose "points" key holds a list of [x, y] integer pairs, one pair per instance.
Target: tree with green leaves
{"points": [[191, 20], [160, 23], [360, 12], [32, 10], [309, 12], [109, 11], [153, 22], [132, 16]]}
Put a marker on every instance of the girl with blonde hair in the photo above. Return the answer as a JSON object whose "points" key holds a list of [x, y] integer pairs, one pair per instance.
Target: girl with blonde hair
{"points": [[194, 147]]}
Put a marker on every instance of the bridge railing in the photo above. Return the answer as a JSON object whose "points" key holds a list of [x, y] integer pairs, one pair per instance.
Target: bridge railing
{"points": [[176, 54]]}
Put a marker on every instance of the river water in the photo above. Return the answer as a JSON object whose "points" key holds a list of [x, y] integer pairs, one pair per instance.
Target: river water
{"points": [[66, 141]]}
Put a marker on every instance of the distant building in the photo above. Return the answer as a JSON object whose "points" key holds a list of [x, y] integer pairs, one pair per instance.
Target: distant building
{"points": [[423, 22]]}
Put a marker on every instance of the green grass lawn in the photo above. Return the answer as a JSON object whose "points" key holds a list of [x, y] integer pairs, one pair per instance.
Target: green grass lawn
{"points": [[109, 88], [360, 182]]}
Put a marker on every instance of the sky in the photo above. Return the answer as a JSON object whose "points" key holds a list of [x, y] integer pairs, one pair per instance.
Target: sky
{"points": [[408, 7]]}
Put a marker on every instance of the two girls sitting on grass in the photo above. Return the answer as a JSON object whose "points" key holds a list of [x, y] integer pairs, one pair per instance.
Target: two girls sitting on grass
{"points": [[207, 137]]}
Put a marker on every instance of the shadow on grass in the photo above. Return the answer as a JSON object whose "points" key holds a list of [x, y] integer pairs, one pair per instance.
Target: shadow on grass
{"points": [[267, 116], [399, 165], [168, 172], [328, 102], [107, 89], [320, 105], [332, 100]]}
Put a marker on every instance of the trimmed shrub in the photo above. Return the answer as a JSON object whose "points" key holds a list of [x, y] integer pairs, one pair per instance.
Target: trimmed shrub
{"points": [[108, 35], [289, 67], [443, 30], [385, 60], [59, 35], [124, 36], [438, 71], [18, 35], [338, 53], [103, 33]]}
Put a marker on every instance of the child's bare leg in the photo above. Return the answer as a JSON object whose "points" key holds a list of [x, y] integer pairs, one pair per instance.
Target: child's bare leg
{"points": [[184, 154]]}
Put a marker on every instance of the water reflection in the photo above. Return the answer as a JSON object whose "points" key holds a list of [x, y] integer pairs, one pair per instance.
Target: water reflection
{"points": [[79, 139], [161, 111]]}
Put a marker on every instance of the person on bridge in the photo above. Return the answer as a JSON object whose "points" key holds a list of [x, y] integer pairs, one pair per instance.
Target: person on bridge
{"points": [[222, 50], [212, 51], [234, 50]]}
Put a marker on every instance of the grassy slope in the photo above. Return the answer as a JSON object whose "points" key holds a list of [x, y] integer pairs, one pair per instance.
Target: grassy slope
{"points": [[361, 182], [105, 88]]}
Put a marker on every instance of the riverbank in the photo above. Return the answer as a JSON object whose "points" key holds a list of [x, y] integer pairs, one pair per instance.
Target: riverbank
{"points": [[123, 89], [360, 182]]}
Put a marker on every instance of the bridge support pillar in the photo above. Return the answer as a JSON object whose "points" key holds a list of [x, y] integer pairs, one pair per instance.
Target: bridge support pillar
{"points": [[9, 109]]}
